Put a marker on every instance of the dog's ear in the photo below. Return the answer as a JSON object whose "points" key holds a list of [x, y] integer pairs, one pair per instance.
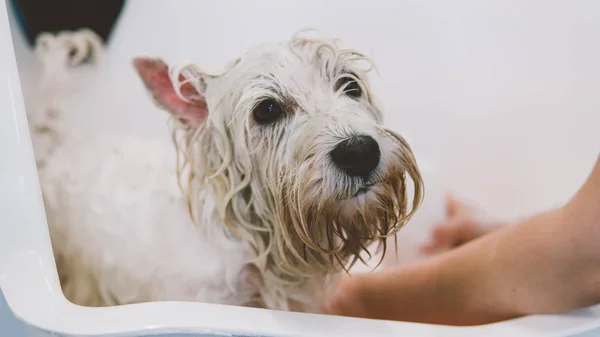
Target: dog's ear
{"points": [[155, 75]]}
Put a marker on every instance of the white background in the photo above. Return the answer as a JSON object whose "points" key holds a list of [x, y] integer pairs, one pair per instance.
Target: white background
{"points": [[503, 96]]}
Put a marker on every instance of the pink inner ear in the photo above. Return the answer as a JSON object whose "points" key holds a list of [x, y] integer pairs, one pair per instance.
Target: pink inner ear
{"points": [[155, 75]]}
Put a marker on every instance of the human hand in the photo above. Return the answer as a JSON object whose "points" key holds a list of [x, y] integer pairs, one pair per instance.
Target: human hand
{"points": [[463, 224], [349, 297]]}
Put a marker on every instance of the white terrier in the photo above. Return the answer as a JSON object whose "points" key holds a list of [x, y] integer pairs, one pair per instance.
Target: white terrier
{"points": [[283, 175]]}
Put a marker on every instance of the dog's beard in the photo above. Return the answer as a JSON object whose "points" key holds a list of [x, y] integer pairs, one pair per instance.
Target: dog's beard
{"points": [[323, 233], [301, 232]]}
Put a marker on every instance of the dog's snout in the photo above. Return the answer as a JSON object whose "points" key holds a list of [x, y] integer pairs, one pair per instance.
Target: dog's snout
{"points": [[357, 156]]}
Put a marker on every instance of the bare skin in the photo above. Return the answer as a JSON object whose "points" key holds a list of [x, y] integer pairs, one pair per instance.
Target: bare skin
{"points": [[463, 223], [548, 263]]}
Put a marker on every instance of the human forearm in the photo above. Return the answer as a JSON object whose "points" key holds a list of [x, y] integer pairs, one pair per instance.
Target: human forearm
{"points": [[522, 269], [547, 263], [483, 281]]}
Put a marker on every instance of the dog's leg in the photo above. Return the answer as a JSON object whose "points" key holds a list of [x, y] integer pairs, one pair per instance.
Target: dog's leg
{"points": [[57, 53]]}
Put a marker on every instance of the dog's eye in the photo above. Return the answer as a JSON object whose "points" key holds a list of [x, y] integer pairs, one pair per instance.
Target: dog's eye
{"points": [[267, 111], [351, 87]]}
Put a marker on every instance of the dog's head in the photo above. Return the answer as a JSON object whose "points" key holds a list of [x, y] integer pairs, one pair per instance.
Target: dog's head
{"points": [[290, 141]]}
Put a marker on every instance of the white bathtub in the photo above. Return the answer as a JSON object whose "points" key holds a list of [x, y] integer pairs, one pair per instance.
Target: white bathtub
{"points": [[432, 58]]}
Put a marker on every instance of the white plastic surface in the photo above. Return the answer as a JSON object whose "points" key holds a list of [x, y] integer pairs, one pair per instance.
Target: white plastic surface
{"points": [[450, 79]]}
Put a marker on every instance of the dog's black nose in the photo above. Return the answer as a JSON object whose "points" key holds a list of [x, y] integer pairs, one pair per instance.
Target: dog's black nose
{"points": [[357, 156]]}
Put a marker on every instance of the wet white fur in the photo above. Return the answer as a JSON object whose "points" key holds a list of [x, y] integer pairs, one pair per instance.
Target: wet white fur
{"points": [[121, 226]]}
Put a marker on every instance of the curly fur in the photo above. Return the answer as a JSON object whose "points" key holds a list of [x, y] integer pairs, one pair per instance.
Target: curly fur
{"points": [[262, 207]]}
